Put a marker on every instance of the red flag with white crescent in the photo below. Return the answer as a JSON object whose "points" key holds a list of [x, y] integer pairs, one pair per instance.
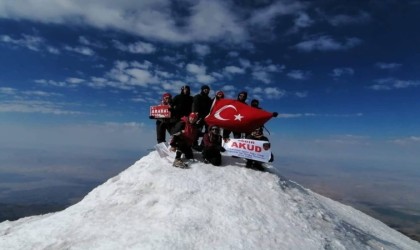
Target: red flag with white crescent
{"points": [[236, 116]]}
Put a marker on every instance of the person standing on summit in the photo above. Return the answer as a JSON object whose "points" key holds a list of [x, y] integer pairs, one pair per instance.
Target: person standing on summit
{"points": [[201, 106], [242, 96], [182, 103]]}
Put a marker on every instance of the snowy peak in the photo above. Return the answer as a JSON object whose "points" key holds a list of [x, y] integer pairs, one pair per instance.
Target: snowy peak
{"points": [[152, 205]]}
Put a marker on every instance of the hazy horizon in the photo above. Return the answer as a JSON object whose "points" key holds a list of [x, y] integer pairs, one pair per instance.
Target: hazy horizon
{"points": [[39, 177]]}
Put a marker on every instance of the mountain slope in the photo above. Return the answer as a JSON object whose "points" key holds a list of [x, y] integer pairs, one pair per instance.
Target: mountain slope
{"points": [[152, 205]]}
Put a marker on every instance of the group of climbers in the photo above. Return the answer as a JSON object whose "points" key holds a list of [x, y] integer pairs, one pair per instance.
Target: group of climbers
{"points": [[186, 123]]}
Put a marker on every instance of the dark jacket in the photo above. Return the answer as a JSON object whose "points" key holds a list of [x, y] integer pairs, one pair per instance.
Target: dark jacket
{"points": [[212, 148], [184, 132], [260, 138], [182, 105], [202, 104]]}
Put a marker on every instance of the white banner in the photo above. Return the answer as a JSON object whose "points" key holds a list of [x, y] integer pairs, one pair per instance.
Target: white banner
{"points": [[249, 149]]}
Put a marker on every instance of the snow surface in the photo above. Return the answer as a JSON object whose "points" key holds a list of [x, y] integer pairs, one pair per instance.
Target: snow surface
{"points": [[152, 205]]}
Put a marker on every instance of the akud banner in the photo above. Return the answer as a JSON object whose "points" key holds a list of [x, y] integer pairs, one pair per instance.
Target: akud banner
{"points": [[249, 149]]}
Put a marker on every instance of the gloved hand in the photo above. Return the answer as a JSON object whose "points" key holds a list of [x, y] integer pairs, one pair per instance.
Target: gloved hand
{"points": [[222, 149], [275, 114], [151, 117]]}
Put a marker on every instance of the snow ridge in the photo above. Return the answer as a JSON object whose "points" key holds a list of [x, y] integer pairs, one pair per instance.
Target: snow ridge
{"points": [[152, 205]]}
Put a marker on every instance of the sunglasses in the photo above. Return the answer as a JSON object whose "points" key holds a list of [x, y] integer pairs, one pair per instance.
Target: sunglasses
{"points": [[215, 129]]}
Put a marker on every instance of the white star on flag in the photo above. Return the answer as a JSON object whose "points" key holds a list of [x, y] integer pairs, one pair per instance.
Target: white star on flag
{"points": [[238, 117]]}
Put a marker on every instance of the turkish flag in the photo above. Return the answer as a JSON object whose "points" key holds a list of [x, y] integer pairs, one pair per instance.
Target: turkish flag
{"points": [[236, 116]]}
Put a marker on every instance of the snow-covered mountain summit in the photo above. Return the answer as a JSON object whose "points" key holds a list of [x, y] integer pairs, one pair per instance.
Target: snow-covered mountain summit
{"points": [[152, 205]]}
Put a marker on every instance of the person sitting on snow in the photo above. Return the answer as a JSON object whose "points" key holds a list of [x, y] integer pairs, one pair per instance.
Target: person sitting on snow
{"points": [[213, 146], [185, 132], [258, 134]]}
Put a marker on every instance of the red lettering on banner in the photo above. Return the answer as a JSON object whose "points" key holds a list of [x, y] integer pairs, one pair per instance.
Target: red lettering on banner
{"points": [[246, 146], [160, 111]]}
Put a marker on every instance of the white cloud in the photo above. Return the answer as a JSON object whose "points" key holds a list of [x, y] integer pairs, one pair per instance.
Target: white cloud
{"points": [[205, 79], [44, 107], [338, 72], [201, 50], [141, 77], [407, 140], [299, 74], [261, 76], [303, 20], [74, 80], [85, 41], [30, 42], [339, 20], [301, 94], [136, 48], [233, 70], [233, 54], [7, 91], [391, 83], [151, 19], [389, 66], [81, 50], [34, 43], [345, 140], [301, 115], [262, 71], [327, 43], [53, 50], [265, 16], [269, 92], [245, 63], [196, 69]]}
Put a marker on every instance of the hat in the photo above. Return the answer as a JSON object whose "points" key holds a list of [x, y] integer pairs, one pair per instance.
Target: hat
{"points": [[193, 115], [205, 87], [220, 92], [166, 95]]}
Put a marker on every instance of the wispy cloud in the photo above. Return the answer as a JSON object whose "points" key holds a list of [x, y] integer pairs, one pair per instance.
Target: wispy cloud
{"points": [[136, 48], [392, 83], [201, 49], [44, 107], [21, 94], [339, 72], [262, 71], [407, 140], [85, 41], [299, 74], [360, 18], [388, 66], [199, 72], [265, 16], [262, 93], [303, 115], [327, 43], [86, 51], [34, 43], [154, 20], [345, 140], [234, 70]]}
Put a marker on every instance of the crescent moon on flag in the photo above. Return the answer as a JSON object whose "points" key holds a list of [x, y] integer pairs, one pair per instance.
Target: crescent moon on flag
{"points": [[217, 114]]}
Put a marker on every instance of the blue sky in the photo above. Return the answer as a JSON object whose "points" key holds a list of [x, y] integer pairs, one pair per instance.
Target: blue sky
{"points": [[342, 74]]}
